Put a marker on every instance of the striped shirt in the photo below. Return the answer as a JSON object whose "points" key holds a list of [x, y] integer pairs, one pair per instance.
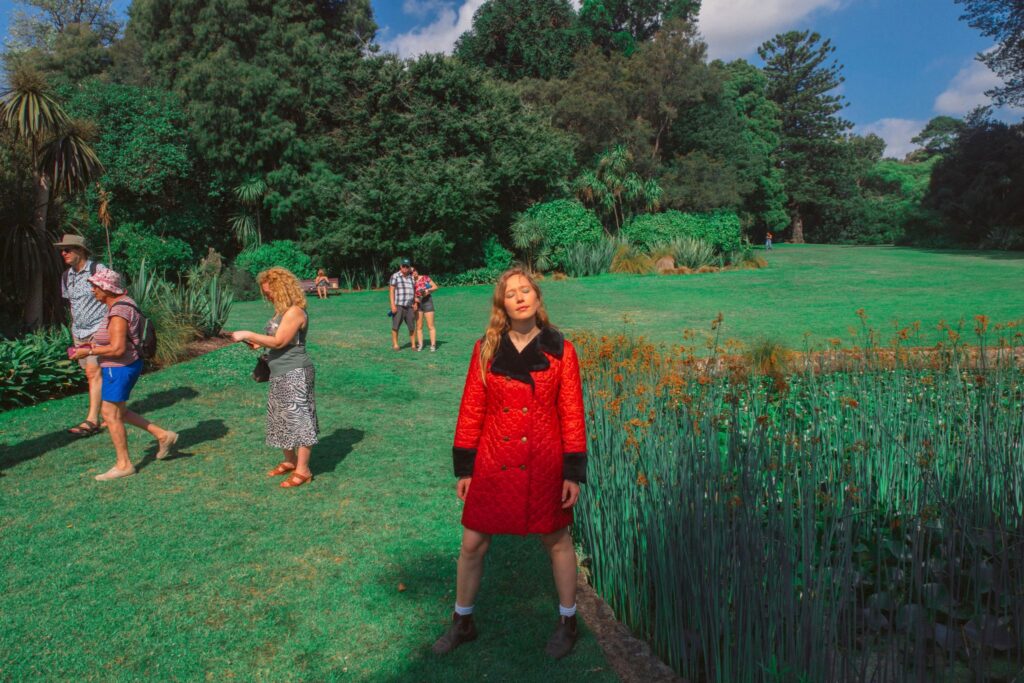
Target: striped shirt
{"points": [[405, 288], [102, 338], [87, 314]]}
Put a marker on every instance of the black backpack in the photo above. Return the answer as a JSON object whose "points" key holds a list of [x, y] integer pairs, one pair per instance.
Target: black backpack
{"points": [[147, 333]]}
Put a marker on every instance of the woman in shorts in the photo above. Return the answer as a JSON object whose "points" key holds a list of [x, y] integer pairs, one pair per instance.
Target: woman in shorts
{"points": [[424, 306], [117, 343]]}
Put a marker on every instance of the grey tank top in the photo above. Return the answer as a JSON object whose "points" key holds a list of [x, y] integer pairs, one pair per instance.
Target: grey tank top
{"points": [[291, 357]]}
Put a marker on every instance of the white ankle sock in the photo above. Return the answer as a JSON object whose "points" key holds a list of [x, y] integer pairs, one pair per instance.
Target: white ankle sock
{"points": [[567, 611], [466, 611]]}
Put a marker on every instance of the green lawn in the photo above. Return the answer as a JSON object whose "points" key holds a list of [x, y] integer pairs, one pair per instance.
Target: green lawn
{"points": [[200, 567]]}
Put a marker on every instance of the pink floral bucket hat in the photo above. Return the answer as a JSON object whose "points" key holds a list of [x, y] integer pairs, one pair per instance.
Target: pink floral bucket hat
{"points": [[108, 281]]}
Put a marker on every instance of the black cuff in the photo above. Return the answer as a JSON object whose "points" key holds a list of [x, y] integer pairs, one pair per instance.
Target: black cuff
{"points": [[574, 467], [463, 459]]}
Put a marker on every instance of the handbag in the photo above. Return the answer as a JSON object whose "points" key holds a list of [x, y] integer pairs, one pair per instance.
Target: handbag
{"points": [[261, 373]]}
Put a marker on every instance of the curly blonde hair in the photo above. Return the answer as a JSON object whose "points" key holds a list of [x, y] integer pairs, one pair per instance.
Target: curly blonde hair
{"points": [[499, 323], [284, 289]]}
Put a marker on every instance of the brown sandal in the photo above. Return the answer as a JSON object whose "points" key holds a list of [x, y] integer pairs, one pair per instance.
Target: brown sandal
{"points": [[282, 468], [296, 480]]}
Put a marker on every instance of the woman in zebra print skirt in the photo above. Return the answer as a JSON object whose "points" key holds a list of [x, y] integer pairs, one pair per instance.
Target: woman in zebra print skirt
{"points": [[291, 402]]}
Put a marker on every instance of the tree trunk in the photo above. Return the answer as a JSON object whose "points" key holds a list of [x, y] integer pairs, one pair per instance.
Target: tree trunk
{"points": [[33, 313], [798, 228]]}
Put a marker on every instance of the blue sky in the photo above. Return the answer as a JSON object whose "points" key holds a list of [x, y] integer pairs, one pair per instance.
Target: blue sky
{"points": [[905, 61]]}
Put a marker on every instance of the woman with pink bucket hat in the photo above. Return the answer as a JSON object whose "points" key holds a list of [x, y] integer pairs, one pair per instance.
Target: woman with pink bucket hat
{"points": [[117, 344]]}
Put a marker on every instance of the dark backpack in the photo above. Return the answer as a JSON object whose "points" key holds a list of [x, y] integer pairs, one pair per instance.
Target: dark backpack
{"points": [[146, 346], [93, 265]]}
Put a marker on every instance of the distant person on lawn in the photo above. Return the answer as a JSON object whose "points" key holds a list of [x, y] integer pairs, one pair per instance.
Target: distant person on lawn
{"points": [[87, 314], [520, 451], [768, 241], [424, 305], [292, 424], [402, 292], [116, 344], [322, 283]]}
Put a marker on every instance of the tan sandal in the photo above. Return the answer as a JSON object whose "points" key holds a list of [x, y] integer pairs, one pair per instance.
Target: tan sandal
{"points": [[296, 480], [282, 468]]}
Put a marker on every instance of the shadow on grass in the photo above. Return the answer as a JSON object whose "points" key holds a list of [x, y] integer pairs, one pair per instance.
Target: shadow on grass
{"points": [[163, 399], [205, 431], [516, 613], [331, 450]]}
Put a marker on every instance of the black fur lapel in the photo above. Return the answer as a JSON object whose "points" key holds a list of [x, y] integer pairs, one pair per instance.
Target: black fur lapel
{"points": [[534, 358]]}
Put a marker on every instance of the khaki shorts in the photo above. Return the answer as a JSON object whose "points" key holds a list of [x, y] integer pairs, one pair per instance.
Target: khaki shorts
{"points": [[88, 360]]}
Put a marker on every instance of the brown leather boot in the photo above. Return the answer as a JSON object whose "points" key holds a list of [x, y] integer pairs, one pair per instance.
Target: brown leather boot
{"points": [[562, 640], [461, 631]]}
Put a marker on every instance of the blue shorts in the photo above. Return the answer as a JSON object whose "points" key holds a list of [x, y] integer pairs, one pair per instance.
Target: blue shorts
{"points": [[119, 381]]}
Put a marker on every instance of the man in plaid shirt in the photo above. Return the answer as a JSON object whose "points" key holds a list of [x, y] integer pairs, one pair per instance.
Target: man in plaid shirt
{"points": [[402, 290]]}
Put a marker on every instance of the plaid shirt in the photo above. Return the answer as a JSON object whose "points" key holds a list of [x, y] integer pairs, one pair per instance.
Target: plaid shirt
{"points": [[405, 288]]}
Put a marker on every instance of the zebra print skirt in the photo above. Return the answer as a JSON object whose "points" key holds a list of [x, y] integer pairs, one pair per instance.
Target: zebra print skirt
{"points": [[291, 410]]}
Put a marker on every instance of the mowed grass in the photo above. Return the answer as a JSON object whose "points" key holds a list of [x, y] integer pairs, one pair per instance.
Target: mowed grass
{"points": [[201, 568]]}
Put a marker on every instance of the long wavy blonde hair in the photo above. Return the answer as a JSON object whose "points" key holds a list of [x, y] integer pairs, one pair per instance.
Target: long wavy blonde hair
{"points": [[500, 322], [284, 289]]}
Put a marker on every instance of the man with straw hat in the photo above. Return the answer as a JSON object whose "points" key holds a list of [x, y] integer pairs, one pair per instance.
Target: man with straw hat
{"points": [[87, 314]]}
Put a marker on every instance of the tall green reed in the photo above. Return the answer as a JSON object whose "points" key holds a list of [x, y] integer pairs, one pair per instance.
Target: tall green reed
{"points": [[856, 520]]}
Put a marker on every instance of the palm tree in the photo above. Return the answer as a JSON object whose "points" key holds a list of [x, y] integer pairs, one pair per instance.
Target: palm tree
{"points": [[247, 227], [62, 163], [615, 190]]}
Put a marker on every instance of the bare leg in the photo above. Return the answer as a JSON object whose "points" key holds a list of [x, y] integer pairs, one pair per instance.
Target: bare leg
{"points": [[430, 324], [113, 413], [419, 329], [471, 566], [94, 374], [394, 339], [563, 564], [137, 420], [301, 455]]}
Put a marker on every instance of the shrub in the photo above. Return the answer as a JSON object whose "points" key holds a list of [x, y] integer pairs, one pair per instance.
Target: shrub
{"points": [[132, 244], [628, 259], [691, 252], [476, 276], [565, 223], [241, 283], [36, 367], [281, 253], [161, 302], [496, 257], [581, 260], [721, 229]]}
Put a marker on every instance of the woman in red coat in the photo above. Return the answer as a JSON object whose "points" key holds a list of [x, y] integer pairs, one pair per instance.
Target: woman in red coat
{"points": [[520, 451]]}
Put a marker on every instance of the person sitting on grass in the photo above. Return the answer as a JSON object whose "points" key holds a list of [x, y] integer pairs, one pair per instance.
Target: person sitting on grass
{"points": [[519, 452], [424, 307], [292, 423], [322, 283], [116, 344]]}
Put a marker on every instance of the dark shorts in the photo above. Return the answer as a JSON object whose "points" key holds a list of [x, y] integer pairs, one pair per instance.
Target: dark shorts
{"points": [[427, 305], [119, 381], [405, 313]]}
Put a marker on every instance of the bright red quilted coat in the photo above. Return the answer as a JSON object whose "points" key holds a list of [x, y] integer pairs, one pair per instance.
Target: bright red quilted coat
{"points": [[521, 439]]}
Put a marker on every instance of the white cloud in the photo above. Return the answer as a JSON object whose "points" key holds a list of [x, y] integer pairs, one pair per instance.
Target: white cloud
{"points": [[437, 36], [896, 133], [735, 28], [967, 90]]}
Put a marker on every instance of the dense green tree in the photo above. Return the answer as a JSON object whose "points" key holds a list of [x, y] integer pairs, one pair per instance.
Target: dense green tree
{"points": [[978, 185], [436, 156], [937, 137], [1002, 20], [802, 79], [45, 20], [523, 38], [62, 163], [724, 147], [255, 76], [623, 25]]}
